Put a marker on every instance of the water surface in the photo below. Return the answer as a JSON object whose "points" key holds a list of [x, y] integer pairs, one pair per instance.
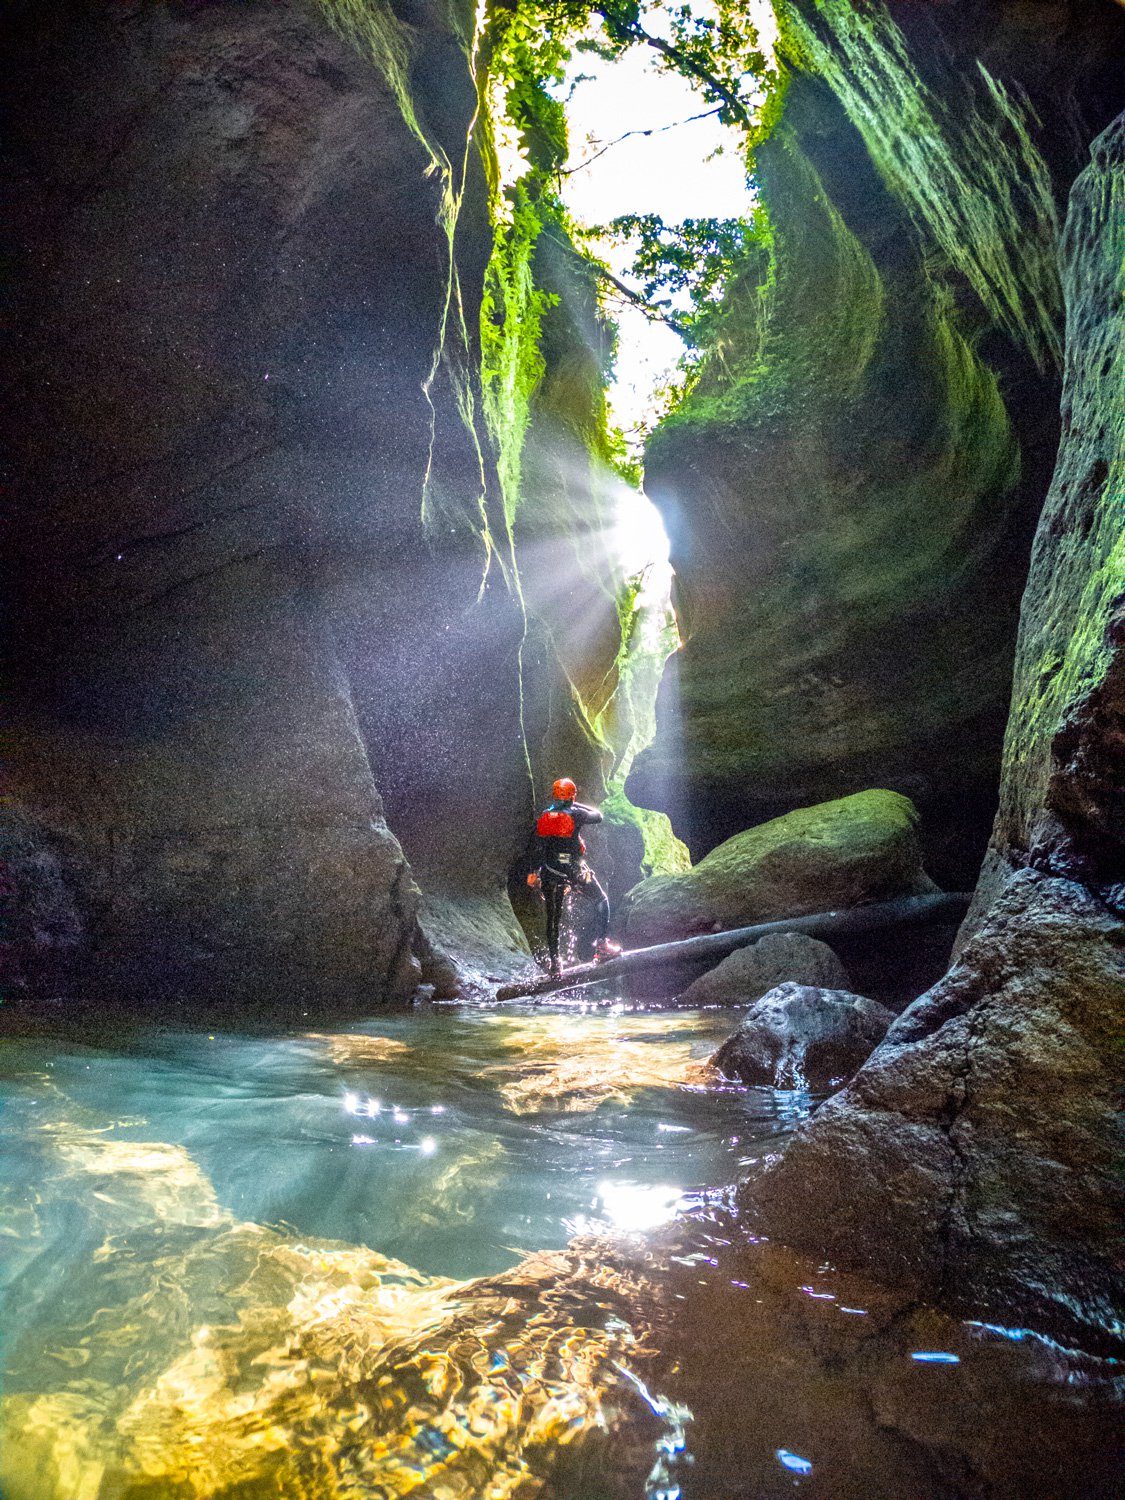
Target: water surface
{"points": [[465, 1253]]}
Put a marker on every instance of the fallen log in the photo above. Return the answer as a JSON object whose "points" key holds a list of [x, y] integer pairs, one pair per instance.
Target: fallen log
{"points": [[708, 949]]}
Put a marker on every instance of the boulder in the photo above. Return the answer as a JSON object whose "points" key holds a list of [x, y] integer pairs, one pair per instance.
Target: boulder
{"points": [[837, 854], [799, 1036], [974, 1158], [749, 973], [470, 942]]}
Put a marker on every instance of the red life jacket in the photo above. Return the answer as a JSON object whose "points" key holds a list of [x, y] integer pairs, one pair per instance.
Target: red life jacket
{"points": [[554, 824], [561, 846]]}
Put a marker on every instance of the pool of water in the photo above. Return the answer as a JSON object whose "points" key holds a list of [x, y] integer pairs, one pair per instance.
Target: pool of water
{"points": [[464, 1252]]}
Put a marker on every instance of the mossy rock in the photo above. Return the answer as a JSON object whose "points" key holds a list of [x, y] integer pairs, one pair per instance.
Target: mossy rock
{"points": [[837, 854]]}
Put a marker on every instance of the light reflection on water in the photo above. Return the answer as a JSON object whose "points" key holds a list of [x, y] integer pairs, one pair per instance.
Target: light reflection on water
{"points": [[238, 1263], [453, 1140]]}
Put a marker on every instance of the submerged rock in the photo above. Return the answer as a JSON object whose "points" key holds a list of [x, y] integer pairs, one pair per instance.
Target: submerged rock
{"points": [[799, 1036], [837, 854], [749, 973]]}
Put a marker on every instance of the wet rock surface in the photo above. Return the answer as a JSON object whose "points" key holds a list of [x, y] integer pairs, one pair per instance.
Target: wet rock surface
{"points": [[235, 1355], [194, 1321], [252, 561], [973, 1157], [209, 353], [798, 1036], [41, 929], [749, 973], [851, 499], [838, 854], [1062, 797], [471, 943]]}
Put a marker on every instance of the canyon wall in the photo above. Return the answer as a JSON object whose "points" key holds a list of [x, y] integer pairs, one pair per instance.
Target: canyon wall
{"points": [[262, 606], [852, 485], [976, 1156]]}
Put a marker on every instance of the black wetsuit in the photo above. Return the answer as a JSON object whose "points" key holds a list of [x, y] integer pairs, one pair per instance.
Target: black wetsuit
{"points": [[562, 868]]}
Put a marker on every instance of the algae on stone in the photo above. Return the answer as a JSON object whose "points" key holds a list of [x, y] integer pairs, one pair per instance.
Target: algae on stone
{"points": [[1063, 766], [976, 1157], [837, 854]]}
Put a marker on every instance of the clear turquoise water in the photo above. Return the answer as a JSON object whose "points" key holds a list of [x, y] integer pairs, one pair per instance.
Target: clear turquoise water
{"points": [[191, 1222], [416, 1154]]}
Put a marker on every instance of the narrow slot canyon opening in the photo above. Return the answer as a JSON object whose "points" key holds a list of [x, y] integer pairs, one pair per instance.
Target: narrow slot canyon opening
{"points": [[418, 406]]}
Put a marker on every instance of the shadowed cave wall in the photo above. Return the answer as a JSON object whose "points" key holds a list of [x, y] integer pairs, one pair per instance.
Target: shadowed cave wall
{"points": [[261, 610]]}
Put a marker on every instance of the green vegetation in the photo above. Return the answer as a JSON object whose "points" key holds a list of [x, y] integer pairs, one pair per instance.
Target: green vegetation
{"points": [[719, 52], [976, 187], [693, 259], [527, 380], [512, 364], [648, 638]]}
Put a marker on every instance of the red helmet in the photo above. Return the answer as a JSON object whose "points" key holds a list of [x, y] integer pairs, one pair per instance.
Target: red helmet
{"points": [[564, 790]]}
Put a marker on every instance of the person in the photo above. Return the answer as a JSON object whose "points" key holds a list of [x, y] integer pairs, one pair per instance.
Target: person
{"points": [[562, 867]]}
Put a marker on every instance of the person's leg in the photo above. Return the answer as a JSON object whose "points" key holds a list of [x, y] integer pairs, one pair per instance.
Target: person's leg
{"points": [[589, 888], [553, 892]]}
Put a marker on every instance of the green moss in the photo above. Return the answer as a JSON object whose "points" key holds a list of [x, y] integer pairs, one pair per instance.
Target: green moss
{"points": [[1067, 654], [372, 27], [837, 854], [974, 183], [851, 440], [512, 364], [664, 853], [628, 725], [757, 364]]}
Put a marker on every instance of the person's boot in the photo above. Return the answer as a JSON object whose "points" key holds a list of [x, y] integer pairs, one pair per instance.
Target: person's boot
{"points": [[605, 948], [555, 969]]}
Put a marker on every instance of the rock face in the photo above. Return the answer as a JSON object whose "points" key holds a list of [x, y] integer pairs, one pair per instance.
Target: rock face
{"points": [[843, 853], [852, 488], [41, 930], [218, 419], [749, 973], [799, 1036], [1062, 798], [976, 1154], [260, 611], [973, 1157]]}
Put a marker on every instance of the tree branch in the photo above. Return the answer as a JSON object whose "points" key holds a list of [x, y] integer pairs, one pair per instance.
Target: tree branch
{"points": [[655, 130], [677, 325], [686, 64]]}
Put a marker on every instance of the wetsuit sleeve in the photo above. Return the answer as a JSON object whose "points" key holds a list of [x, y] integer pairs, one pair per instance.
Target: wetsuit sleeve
{"points": [[583, 814], [533, 854]]}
